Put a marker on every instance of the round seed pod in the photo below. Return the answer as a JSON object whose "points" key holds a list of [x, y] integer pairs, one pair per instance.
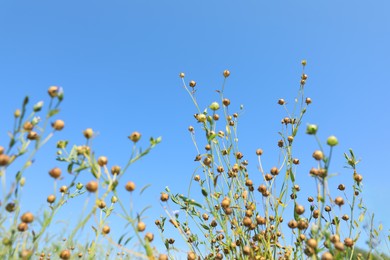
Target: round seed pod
{"points": [[141, 226], [88, 133], [51, 198], [65, 254], [92, 186], [55, 173], [105, 230], [58, 125], [130, 186], [27, 217], [102, 160]]}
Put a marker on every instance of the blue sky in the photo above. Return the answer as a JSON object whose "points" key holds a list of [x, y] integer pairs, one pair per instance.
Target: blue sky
{"points": [[119, 61]]}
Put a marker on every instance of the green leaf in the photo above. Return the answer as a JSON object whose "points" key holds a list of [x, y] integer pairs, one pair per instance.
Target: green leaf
{"points": [[145, 209], [70, 167], [144, 188], [211, 137], [53, 112], [205, 226]]}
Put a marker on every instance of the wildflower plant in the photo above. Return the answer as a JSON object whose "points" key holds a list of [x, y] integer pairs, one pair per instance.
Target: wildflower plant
{"points": [[23, 237], [244, 214]]}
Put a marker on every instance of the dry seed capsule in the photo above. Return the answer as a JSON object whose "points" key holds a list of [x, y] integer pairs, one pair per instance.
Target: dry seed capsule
{"points": [[164, 197], [135, 137], [58, 125], [53, 91], [65, 254], [88, 133], [130, 186], [102, 160], [141, 226], [51, 198], [4, 159], [149, 236], [92, 186], [105, 230], [226, 73], [27, 217], [55, 173]]}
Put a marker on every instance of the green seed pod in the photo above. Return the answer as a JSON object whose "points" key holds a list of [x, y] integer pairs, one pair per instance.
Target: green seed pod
{"points": [[332, 141], [311, 129], [214, 106]]}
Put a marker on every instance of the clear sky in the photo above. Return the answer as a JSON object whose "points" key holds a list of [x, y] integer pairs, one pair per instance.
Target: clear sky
{"points": [[118, 62]]}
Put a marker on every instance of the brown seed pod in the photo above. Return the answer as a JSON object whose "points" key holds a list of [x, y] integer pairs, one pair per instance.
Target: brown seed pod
{"points": [[226, 73], [92, 186], [205, 216], [312, 243], [32, 135], [348, 242], [292, 224], [162, 257], [65, 254], [318, 155], [268, 177], [135, 137], [327, 256], [141, 226], [105, 230], [51, 198], [335, 238], [181, 75], [280, 143], [149, 236], [27, 217], [345, 217], [239, 155], [58, 125], [259, 152], [22, 227], [191, 256], [226, 102], [10, 207], [225, 203], [130, 186], [274, 170], [316, 213], [358, 178], [196, 178], [4, 159], [299, 209], [53, 91], [115, 169], [281, 102], [207, 161], [308, 101], [164, 197], [341, 187], [88, 133], [216, 117], [339, 246], [55, 173], [101, 204], [303, 224], [248, 183], [310, 199], [192, 84], [295, 161], [246, 250], [63, 189], [247, 221], [102, 160], [328, 208], [339, 201], [28, 126]]}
